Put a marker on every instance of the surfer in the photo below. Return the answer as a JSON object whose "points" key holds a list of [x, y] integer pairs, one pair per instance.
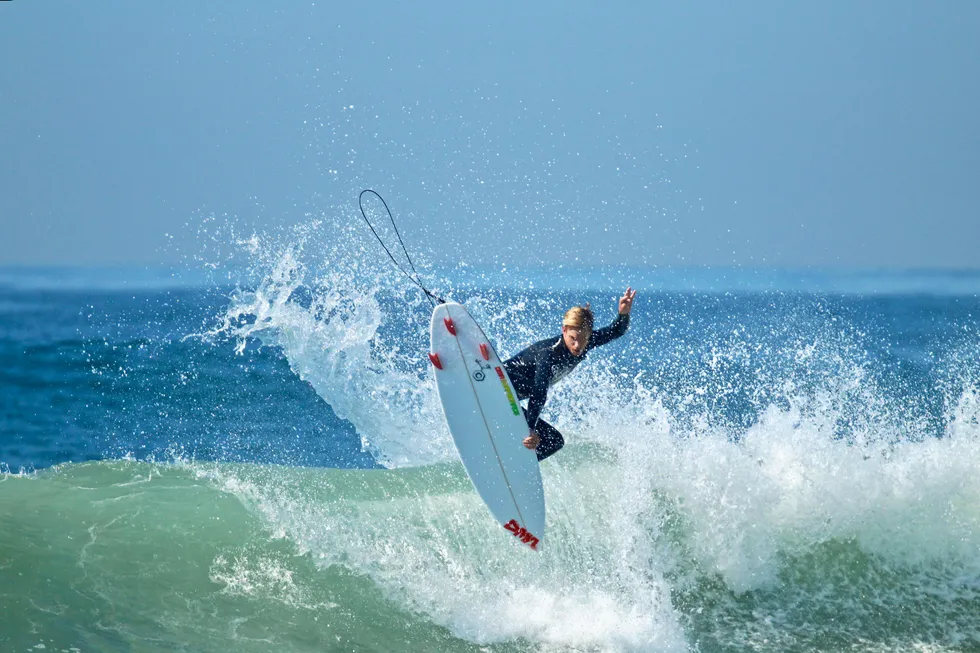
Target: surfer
{"points": [[546, 362]]}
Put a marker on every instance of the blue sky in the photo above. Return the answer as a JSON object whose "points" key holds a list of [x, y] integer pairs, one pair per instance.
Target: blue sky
{"points": [[833, 134]]}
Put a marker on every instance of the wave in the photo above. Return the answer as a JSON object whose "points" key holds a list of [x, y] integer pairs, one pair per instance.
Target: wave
{"points": [[667, 544]]}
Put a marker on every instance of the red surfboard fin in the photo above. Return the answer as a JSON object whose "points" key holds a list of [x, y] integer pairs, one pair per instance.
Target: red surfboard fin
{"points": [[450, 325], [485, 351], [435, 360]]}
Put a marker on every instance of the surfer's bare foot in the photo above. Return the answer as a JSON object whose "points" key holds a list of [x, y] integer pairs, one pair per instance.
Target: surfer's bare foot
{"points": [[532, 441]]}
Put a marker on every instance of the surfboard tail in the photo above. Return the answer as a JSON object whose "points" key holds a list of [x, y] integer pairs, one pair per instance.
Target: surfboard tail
{"points": [[522, 534]]}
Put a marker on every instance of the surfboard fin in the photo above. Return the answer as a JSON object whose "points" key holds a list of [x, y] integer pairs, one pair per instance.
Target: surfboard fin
{"points": [[485, 351], [435, 360], [450, 325]]}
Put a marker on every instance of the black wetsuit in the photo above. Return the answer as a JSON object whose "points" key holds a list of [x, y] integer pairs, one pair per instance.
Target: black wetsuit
{"points": [[542, 365]]}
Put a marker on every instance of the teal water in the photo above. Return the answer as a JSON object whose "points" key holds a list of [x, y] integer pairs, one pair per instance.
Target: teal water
{"points": [[138, 556], [134, 556]]}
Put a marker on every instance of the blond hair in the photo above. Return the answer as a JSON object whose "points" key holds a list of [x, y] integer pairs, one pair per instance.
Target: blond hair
{"points": [[578, 317]]}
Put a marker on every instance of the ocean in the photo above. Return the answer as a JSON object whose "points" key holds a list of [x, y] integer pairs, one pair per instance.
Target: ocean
{"points": [[252, 457]]}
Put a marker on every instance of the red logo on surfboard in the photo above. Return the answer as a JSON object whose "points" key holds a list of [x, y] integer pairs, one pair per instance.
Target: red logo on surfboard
{"points": [[522, 534]]}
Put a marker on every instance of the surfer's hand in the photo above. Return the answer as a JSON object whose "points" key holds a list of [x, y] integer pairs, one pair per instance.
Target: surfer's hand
{"points": [[532, 440], [626, 301]]}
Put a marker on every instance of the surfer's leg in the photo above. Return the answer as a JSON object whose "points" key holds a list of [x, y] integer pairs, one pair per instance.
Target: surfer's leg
{"points": [[551, 439]]}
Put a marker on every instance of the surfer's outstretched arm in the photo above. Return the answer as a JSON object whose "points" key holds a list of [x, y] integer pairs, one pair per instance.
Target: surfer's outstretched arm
{"points": [[607, 334], [619, 325]]}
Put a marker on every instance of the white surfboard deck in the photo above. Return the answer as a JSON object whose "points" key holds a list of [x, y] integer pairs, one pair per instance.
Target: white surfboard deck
{"points": [[487, 423]]}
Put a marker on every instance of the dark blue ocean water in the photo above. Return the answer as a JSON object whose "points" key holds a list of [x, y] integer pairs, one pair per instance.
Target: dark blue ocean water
{"points": [[114, 365], [95, 374], [769, 460]]}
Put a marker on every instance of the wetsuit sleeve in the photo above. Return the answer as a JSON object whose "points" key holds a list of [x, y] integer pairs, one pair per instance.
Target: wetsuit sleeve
{"points": [[611, 332], [539, 392]]}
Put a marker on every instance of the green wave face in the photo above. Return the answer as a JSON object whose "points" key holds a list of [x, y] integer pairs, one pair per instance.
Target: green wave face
{"points": [[127, 556]]}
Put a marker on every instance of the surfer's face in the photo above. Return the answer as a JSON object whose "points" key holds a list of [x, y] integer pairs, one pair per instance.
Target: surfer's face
{"points": [[576, 339]]}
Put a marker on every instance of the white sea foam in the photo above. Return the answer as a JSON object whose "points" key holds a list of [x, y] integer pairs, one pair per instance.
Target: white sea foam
{"points": [[332, 340]]}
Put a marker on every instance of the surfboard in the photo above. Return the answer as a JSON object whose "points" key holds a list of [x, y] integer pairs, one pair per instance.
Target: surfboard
{"points": [[487, 423]]}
